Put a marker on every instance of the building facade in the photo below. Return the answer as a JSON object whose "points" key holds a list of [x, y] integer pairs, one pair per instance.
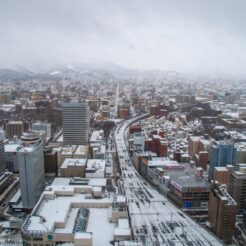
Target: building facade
{"points": [[237, 188], [31, 169], [221, 154], [222, 211], [76, 123], [2, 156], [14, 128]]}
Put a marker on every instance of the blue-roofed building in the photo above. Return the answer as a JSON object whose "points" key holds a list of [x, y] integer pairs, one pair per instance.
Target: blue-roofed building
{"points": [[222, 154]]}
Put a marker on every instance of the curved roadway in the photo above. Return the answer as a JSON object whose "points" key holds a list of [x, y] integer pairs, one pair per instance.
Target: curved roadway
{"points": [[154, 219]]}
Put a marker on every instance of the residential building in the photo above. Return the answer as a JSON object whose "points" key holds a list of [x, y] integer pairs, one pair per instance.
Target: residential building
{"points": [[222, 174], [157, 144], [237, 188], [5, 98], [194, 143], [14, 128], [222, 211], [138, 141], [222, 154]]}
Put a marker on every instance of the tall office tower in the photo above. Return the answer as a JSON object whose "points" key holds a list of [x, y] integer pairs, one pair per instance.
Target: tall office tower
{"points": [[2, 154], [14, 128], [42, 127], [237, 188], [76, 123], [221, 154], [222, 210], [31, 168]]}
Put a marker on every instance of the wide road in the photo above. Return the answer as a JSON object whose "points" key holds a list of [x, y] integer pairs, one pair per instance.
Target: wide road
{"points": [[154, 219]]}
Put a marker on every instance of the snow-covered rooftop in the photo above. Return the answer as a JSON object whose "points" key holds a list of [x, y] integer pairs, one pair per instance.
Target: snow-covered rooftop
{"points": [[59, 209], [68, 162]]}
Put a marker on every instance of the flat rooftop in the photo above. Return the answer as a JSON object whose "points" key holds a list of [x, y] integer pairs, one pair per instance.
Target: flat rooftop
{"points": [[79, 181], [69, 162], [67, 210], [166, 164], [96, 136], [15, 122], [81, 150], [99, 219], [11, 147], [221, 169], [190, 181], [224, 195], [68, 150], [98, 164]]}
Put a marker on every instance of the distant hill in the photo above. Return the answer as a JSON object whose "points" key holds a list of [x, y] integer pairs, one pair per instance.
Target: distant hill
{"points": [[9, 75], [88, 72]]}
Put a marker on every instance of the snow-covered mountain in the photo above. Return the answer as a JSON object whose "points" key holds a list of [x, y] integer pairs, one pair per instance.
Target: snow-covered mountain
{"points": [[9, 75], [90, 72]]}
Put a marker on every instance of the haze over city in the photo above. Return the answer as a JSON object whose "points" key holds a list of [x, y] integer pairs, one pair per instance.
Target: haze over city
{"points": [[197, 37], [123, 123]]}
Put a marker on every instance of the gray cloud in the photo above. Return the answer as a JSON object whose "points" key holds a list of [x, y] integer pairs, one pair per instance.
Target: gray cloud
{"points": [[194, 36]]}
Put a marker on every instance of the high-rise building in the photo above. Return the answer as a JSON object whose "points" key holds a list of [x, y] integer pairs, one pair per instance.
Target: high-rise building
{"points": [[31, 168], [14, 128], [237, 188], [76, 123], [221, 154], [2, 155], [222, 210]]}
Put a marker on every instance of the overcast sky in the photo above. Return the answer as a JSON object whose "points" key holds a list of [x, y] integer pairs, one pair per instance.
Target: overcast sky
{"points": [[194, 36]]}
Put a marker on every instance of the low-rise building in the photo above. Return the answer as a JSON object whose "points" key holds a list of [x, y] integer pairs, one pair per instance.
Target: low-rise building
{"points": [[8, 181], [71, 214], [73, 168], [191, 193], [73, 151], [10, 153], [95, 168]]}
